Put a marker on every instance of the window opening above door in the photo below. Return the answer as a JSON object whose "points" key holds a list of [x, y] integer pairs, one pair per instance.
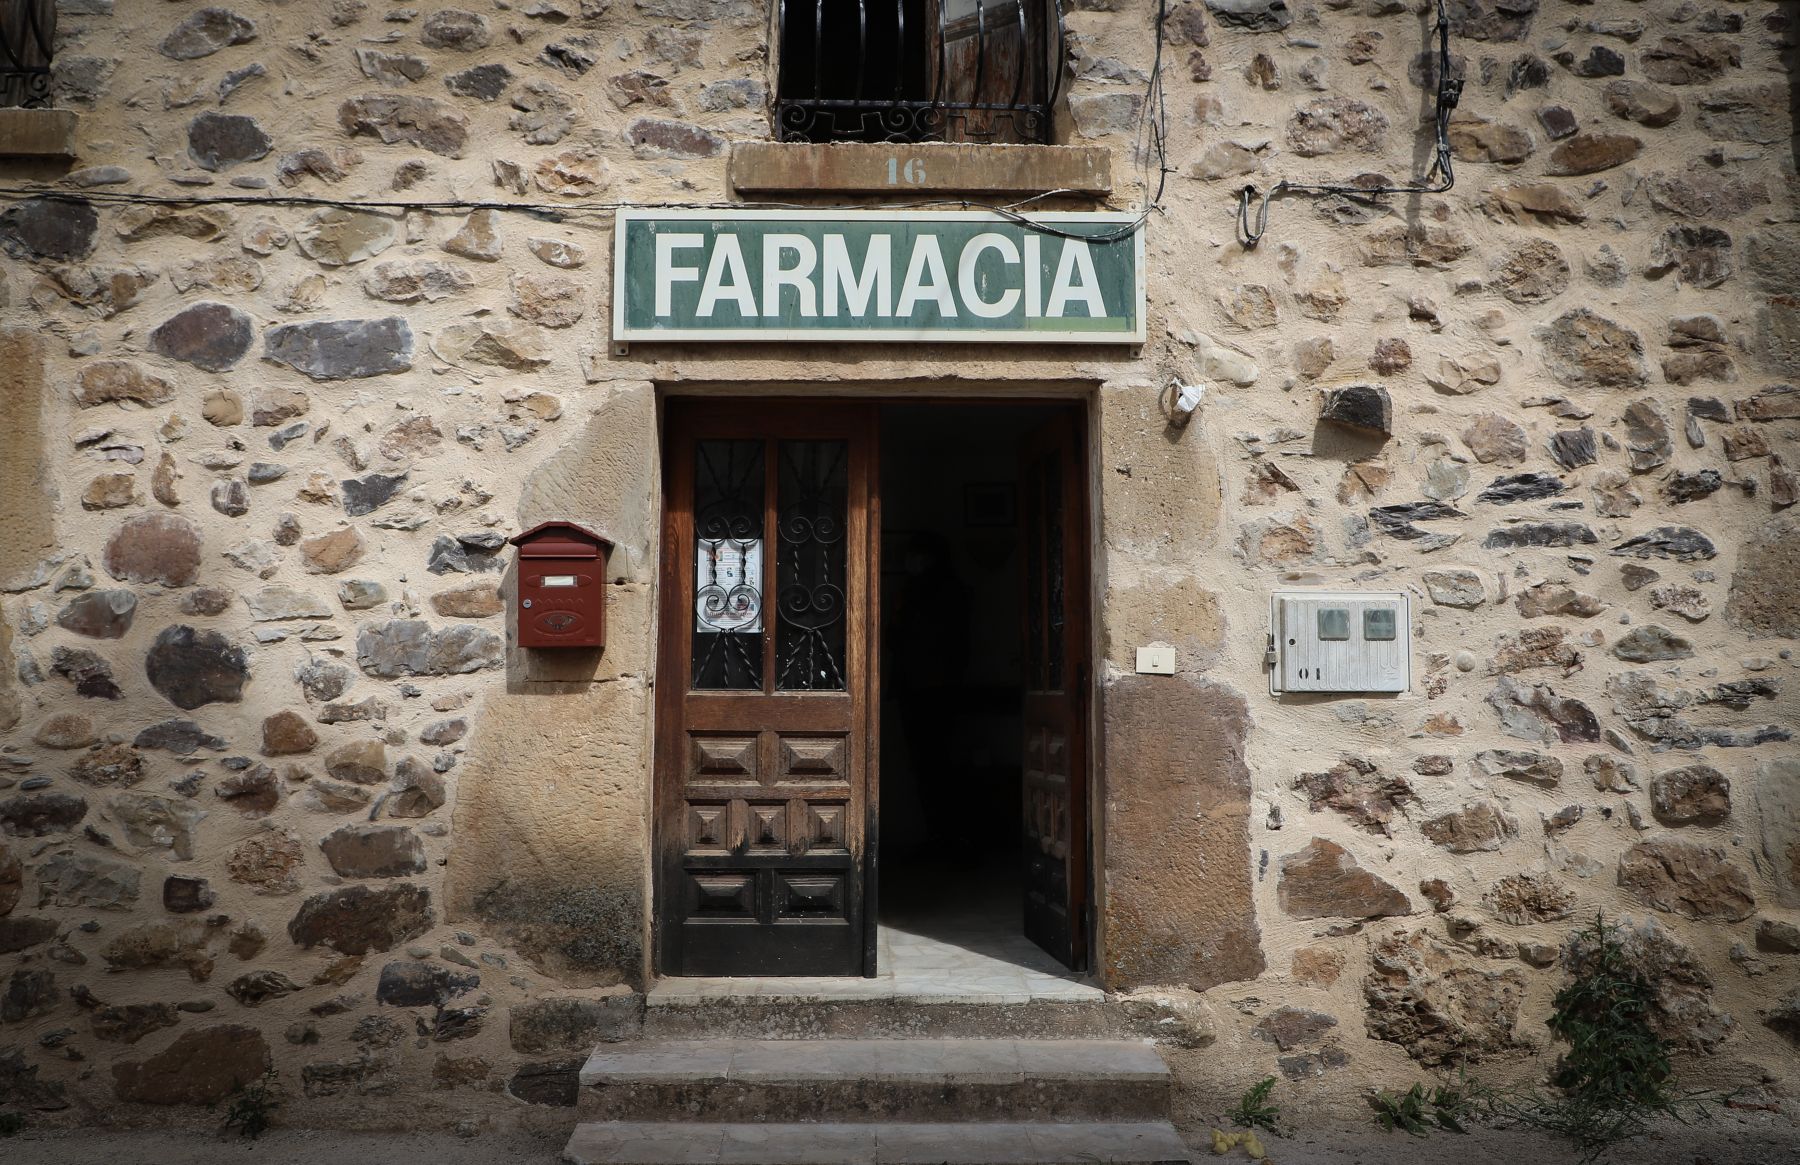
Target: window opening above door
{"points": [[27, 44], [919, 70]]}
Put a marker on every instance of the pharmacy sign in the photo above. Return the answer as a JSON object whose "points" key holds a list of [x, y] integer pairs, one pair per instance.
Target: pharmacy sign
{"points": [[877, 275]]}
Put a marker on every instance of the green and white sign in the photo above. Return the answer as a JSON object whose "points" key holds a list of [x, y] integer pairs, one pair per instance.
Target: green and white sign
{"points": [[877, 275]]}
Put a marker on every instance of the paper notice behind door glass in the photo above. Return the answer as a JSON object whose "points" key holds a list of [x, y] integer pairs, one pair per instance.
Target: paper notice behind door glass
{"points": [[728, 585]]}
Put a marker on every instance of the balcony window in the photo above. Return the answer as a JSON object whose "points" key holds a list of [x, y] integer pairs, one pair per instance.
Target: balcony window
{"points": [[27, 34], [918, 70]]}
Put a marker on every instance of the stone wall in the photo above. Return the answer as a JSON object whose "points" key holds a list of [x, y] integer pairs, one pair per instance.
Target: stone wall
{"points": [[274, 791]]}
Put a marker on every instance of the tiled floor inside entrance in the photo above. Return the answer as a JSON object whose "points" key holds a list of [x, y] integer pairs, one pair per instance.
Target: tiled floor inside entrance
{"points": [[943, 943]]}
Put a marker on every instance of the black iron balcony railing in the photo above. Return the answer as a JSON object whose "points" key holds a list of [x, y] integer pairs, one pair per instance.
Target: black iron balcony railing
{"points": [[919, 70], [27, 36]]}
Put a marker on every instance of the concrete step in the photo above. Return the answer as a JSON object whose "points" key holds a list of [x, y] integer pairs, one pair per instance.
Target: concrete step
{"points": [[800, 1016], [875, 1143], [753, 1081]]}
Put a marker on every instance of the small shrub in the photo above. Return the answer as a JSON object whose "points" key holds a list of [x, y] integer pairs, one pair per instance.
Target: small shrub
{"points": [[251, 1109], [1253, 1109], [11, 1124], [1615, 1080]]}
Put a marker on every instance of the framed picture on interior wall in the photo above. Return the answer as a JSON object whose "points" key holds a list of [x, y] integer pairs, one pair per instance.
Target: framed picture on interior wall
{"points": [[990, 503]]}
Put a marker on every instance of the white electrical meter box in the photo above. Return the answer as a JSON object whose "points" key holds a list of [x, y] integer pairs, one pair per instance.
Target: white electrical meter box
{"points": [[1323, 641]]}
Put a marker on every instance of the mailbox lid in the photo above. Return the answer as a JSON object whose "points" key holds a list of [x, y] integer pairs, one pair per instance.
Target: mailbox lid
{"points": [[560, 540], [558, 548]]}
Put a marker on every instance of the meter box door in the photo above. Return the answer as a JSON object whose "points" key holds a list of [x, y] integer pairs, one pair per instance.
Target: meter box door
{"points": [[1340, 642], [562, 586]]}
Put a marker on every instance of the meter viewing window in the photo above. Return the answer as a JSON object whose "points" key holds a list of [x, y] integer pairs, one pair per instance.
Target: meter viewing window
{"points": [[1378, 624], [1334, 623]]}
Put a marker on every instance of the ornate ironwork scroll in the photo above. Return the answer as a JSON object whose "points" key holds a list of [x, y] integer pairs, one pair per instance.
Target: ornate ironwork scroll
{"points": [[812, 495], [27, 40], [919, 70], [728, 554]]}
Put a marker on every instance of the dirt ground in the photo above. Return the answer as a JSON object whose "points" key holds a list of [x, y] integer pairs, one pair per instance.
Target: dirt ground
{"points": [[1731, 1139]]}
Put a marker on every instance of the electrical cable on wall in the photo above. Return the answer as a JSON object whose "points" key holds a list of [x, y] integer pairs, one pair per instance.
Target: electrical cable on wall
{"points": [[1439, 178], [1152, 124], [552, 212], [1153, 119]]}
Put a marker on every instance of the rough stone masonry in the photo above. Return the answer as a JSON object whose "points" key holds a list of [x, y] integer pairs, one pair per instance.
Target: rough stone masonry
{"points": [[260, 796]]}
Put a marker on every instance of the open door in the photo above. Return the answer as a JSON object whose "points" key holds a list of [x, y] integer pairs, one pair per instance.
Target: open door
{"points": [[1053, 486], [764, 689]]}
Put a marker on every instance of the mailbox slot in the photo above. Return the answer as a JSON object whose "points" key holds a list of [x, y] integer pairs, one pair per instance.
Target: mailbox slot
{"points": [[562, 586]]}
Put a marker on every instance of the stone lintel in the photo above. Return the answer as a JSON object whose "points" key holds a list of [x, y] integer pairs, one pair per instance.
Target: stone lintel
{"points": [[38, 133], [925, 167]]}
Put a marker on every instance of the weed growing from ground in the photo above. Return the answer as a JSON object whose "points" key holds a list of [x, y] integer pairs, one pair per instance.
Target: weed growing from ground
{"points": [[1418, 1110], [251, 1109], [1253, 1109]]}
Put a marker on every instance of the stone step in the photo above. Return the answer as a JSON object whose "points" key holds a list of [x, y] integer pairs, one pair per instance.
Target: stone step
{"points": [[798, 1016], [876, 1143], [750, 1081]]}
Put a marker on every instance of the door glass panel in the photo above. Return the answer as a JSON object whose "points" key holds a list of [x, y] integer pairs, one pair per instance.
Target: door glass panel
{"points": [[728, 565], [812, 495]]}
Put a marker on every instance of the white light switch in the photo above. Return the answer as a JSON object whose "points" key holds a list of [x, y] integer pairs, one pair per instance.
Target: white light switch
{"points": [[1156, 661]]}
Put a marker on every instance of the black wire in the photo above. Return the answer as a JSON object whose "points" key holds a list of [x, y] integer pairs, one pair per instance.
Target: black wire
{"points": [[556, 212], [1154, 117], [1440, 177], [1160, 125], [1153, 120]]}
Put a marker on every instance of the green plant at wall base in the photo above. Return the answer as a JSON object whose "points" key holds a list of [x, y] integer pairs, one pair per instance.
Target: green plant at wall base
{"points": [[251, 1108], [1418, 1111], [1614, 1057], [11, 1124], [1616, 1079], [1253, 1109]]}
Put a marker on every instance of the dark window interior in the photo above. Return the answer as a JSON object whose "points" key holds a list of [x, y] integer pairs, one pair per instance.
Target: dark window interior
{"points": [[917, 70], [871, 53], [27, 39]]}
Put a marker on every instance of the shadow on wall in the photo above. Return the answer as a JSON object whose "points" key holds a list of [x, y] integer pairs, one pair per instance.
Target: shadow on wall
{"points": [[553, 807]]}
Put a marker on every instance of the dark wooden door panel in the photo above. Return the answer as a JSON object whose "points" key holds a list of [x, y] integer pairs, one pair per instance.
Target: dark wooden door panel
{"points": [[763, 690], [1054, 803]]}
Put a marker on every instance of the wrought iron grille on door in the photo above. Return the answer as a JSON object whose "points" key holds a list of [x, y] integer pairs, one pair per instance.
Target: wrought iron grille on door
{"points": [[919, 70]]}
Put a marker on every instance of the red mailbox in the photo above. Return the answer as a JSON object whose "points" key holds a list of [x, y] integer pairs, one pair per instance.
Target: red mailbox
{"points": [[562, 586]]}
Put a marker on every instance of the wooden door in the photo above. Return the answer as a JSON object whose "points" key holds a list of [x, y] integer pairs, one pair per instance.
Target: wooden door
{"points": [[764, 689], [1053, 484]]}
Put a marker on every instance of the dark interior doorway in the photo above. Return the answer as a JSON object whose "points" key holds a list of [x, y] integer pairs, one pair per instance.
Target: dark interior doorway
{"points": [[953, 669]]}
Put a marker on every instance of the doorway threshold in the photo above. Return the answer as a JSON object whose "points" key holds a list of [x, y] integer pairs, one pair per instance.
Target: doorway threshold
{"points": [[912, 967]]}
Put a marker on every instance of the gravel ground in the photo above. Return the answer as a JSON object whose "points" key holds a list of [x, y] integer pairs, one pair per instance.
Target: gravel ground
{"points": [[278, 1147], [1731, 1139]]}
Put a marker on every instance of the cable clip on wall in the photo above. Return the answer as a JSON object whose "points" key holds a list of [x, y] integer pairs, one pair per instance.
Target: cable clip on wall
{"points": [[1438, 179]]}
